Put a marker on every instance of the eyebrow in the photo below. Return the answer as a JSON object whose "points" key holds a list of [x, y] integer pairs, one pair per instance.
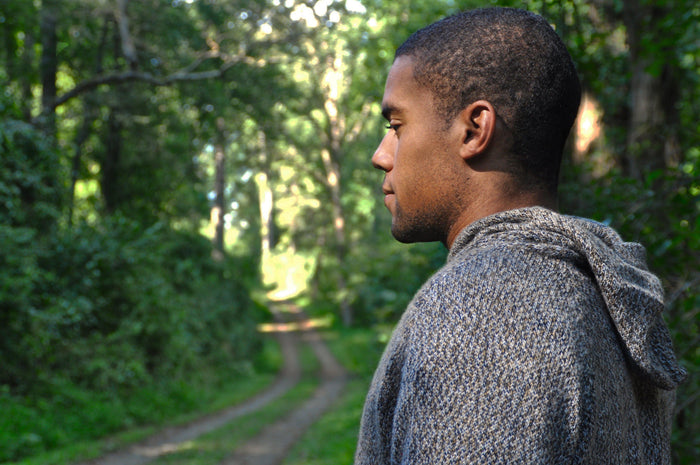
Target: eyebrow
{"points": [[388, 110]]}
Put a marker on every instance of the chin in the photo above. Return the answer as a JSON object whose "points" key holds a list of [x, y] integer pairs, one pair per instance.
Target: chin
{"points": [[412, 234], [404, 240]]}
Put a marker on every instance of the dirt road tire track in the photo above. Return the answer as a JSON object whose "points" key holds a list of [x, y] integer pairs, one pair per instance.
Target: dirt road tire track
{"points": [[273, 443]]}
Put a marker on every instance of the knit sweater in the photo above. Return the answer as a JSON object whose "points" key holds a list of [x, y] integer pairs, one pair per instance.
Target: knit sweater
{"points": [[540, 341]]}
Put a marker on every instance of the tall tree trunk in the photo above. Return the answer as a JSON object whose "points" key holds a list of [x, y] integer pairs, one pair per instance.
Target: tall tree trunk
{"points": [[86, 127], [651, 138], [266, 199], [110, 164], [127, 44], [10, 49], [645, 143], [340, 243], [218, 211], [331, 163], [49, 65], [28, 63], [21, 70]]}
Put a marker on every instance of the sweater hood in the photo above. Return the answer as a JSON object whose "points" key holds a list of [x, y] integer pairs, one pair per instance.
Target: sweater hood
{"points": [[634, 296]]}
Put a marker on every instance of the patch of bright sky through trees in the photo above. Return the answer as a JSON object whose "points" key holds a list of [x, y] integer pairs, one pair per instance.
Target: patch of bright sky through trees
{"points": [[301, 11]]}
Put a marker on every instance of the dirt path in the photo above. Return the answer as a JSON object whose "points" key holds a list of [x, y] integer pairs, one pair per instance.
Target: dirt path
{"points": [[273, 443]]}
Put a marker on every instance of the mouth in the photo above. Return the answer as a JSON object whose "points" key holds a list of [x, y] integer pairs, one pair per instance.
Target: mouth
{"points": [[388, 196]]}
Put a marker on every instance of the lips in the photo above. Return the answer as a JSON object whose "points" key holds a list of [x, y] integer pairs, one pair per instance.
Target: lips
{"points": [[388, 196]]}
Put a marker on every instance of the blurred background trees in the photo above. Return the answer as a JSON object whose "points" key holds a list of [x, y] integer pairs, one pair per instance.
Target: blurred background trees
{"points": [[159, 161]]}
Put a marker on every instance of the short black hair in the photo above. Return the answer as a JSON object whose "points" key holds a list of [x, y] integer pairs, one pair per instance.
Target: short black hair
{"points": [[515, 60]]}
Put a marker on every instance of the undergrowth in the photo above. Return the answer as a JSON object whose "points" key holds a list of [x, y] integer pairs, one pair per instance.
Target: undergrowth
{"points": [[76, 423]]}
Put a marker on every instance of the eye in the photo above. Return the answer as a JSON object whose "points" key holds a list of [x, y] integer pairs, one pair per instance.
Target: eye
{"points": [[395, 127]]}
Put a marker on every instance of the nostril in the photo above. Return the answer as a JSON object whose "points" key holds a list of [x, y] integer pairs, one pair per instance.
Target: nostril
{"points": [[382, 160], [379, 165]]}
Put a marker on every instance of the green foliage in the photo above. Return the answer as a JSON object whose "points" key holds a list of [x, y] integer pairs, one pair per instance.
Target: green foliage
{"points": [[382, 289], [111, 288], [30, 177], [104, 312], [17, 283], [30, 200], [334, 438], [75, 422], [94, 316]]}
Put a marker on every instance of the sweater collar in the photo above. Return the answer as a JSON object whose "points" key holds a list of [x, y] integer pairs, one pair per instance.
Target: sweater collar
{"points": [[484, 226]]}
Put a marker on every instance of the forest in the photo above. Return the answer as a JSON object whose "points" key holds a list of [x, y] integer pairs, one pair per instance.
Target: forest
{"points": [[168, 167]]}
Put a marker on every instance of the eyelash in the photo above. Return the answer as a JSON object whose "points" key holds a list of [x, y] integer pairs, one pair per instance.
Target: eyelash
{"points": [[392, 126]]}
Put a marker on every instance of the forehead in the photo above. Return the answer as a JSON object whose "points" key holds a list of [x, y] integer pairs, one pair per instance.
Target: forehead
{"points": [[402, 93]]}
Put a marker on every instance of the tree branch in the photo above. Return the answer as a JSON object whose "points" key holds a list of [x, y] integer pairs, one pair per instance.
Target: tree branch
{"points": [[131, 76]]}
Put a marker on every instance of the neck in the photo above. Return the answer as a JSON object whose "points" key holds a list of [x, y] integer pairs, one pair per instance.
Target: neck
{"points": [[490, 204]]}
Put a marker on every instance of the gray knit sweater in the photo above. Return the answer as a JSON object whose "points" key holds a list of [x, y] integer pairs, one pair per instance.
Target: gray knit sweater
{"points": [[540, 341]]}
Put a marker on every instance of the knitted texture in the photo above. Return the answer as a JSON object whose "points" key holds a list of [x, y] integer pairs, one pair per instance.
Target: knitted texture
{"points": [[541, 340]]}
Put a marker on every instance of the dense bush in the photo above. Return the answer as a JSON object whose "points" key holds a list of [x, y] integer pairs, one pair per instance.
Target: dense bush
{"points": [[30, 201], [114, 309], [30, 190], [96, 315], [384, 288]]}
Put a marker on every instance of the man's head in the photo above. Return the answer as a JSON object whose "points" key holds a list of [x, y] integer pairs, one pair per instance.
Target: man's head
{"points": [[513, 59], [497, 88]]}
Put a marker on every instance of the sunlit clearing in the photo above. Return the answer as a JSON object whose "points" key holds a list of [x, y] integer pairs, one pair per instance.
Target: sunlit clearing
{"points": [[287, 273]]}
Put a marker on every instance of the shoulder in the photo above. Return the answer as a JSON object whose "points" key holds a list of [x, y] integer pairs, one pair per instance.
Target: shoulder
{"points": [[511, 294], [518, 268]]}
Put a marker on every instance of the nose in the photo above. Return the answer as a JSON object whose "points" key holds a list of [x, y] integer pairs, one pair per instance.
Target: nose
{"points": [[383, 158]]}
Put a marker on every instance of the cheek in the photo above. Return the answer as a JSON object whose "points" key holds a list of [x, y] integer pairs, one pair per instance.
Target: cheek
{"points": [[411, 158], [417, 189]]}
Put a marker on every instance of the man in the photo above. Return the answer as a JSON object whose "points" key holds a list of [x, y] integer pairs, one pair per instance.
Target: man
{"points": [[541, 339]]}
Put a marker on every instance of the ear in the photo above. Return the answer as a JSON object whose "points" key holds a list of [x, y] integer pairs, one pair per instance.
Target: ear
{"points": [[478, 127]]}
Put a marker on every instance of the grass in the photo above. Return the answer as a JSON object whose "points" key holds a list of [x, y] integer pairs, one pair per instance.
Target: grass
{"points": [[331, 440], [213, 447], [77, 424], [334, 437]]}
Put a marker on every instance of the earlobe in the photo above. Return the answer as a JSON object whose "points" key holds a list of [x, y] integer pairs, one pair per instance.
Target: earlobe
{"points": [[479, 125]]}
